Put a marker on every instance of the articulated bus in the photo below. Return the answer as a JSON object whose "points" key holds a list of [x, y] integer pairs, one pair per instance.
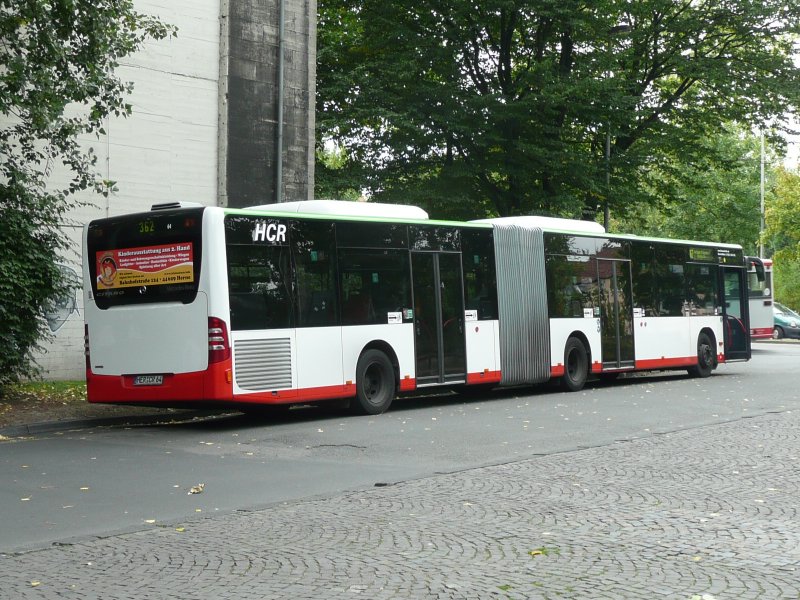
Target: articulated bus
{"points": [[319, 300], [759, 284]]}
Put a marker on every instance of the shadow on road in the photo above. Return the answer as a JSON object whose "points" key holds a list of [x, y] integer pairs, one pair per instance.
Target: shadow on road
{"points": [[325, 411]]}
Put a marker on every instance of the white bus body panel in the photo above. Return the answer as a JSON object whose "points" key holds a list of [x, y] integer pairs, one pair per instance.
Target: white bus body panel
{"points": [[214, 269], [561, 329], [319, 357], [662, 338], [483, 343], [158, 338], [400, 336], [712, 322]]}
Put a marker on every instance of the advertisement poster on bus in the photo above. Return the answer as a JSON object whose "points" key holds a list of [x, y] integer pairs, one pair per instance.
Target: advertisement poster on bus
{"points": [[148, 265]]}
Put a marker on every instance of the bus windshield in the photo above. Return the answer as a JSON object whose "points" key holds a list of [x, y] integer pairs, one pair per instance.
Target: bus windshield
{"points": [[759, 289], [145, 258]]}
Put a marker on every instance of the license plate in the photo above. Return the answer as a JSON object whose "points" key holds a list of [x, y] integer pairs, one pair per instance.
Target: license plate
{"points": [[148, 380]]}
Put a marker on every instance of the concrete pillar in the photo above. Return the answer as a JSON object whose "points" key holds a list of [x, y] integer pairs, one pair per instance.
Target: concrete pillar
{"points": [[249, 93]]}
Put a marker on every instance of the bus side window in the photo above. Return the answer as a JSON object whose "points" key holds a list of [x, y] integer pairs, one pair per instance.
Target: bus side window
{"points": [[644, 279], [670, 281], [373, 283], [260, 287], [480, 279], [315, 272], [701, 281], [571, 285]]}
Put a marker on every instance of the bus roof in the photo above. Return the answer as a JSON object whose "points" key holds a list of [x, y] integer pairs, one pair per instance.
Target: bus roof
{"points": [[345, 208], [364, 211]]}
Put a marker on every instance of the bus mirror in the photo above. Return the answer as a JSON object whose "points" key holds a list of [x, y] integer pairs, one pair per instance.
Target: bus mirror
{"points": [[758, 264]]}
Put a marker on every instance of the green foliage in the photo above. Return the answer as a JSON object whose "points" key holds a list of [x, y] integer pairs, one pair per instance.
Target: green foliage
{"points": [[782, 236], [57, 83], [335, 177], [30, 244], [502, 107], [786, 280], [711, 193]]}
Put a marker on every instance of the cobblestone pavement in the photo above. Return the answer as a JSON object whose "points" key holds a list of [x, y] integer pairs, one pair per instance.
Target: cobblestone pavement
{"points": [[707, 513]]}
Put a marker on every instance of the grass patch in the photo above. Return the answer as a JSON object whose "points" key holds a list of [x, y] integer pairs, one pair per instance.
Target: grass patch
{"points": [[44, 392]]}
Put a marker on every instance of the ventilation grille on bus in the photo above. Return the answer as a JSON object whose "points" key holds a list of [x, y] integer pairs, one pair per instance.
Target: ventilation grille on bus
{"points": [[263, 364]]}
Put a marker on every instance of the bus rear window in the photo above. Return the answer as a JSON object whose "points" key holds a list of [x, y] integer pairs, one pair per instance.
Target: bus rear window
{"points": [[145, 258]]}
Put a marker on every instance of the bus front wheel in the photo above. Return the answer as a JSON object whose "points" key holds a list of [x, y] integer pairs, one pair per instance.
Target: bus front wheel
{"points": [[706, 357], [576, 365], [375, 383]]}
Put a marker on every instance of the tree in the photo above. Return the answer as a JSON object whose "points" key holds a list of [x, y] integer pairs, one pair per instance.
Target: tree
{"points": [[56, 84], [782, 236], [506, 105], [712, 193], [334, 176]]}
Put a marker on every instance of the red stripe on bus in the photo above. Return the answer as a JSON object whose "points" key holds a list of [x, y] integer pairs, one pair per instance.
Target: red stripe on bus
{"points": [[761, 333], [666, 363], [483, 377], [299, 395], [211, 384], [408, 384], [557, 371]]}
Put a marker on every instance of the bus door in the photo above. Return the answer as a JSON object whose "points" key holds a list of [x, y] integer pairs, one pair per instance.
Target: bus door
{"points": [[735, 313], [616, 313], [438, 317]]}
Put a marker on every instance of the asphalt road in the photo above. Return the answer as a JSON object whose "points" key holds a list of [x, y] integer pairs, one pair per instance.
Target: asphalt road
{"points": [[71, 484]]}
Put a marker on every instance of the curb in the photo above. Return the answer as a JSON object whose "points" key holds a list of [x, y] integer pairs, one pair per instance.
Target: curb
{"points": [[55, 426]]}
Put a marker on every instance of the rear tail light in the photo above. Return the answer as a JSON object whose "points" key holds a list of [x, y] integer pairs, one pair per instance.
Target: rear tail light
{"points": [[219, 348], [86, 346]]}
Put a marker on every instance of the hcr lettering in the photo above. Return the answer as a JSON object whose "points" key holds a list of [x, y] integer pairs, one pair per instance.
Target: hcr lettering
{"points": [[271, 232]]}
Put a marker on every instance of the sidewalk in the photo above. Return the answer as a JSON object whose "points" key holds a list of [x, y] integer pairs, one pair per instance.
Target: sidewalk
{"points": [[705, 513], [138, 416]]}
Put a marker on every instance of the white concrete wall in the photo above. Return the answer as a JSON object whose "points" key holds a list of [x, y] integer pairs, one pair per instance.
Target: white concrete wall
{"points": [[165, 151]]}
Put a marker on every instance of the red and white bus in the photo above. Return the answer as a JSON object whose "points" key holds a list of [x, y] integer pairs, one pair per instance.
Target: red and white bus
{"points": [[318, 300], [759, 284]]}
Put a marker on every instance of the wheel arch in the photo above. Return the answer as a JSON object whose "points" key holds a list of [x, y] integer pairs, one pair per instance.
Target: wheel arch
{"points": [[713, 337], [387, 349], [578, 334]]}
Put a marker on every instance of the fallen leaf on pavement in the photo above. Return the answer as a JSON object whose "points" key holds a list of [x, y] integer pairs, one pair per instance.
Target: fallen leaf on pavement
{"points": [[197, 489]]}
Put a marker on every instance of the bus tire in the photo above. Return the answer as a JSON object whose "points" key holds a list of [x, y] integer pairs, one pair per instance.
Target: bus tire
{"points": [[706, 357], [375, 383], [576, 365]]}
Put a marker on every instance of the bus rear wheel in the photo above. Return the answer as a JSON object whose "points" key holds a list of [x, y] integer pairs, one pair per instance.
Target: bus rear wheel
{"points": [[375, 383], [706, 357], [576, 365]]}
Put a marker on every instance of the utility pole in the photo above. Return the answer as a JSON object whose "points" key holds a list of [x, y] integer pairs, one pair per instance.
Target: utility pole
{"points": [[280, 92], [761, 231], [622, 28], [606, 211]]}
